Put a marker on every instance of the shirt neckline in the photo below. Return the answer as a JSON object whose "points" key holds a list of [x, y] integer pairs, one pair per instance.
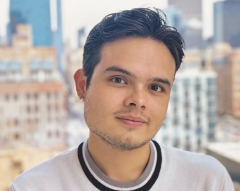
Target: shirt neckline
{"points": [[102, 182]]}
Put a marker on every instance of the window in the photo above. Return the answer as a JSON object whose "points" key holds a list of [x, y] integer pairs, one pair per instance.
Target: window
{"points": [[3, 66], [56, 107], [57, 134], [49, 134], [197, 87], [186, 105], [16, 122], [34, 65], [28, 109], [16, 136], [174, 88], [8, 123], [198, 109], [175, 110], [56, 95], [198, 131], [7, 97], [199, 142], [175, 121], [198, 99], [49, 107], [36, 108], [187, 126], [28, 96], [198, 121], [186, 82], [165, 139], [17, 168], [15, 97], [36, 96], [211, 81], [47, 65], [176, 142], [15, 65], [210, 93], [174, 99]]}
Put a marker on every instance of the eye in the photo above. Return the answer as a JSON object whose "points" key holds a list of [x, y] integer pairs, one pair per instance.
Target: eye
{"points": [[156, 88], [118, 80]]}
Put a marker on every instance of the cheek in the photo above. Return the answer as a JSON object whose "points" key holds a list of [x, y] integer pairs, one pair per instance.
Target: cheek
{"points": [[158, 109], [102, 103]]}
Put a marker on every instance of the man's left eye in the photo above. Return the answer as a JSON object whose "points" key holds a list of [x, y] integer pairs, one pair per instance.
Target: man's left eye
{"points": [[156, 88], [118, 80]]}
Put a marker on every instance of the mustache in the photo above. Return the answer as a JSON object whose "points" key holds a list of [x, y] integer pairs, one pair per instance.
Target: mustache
{"points": [[134, 112]]}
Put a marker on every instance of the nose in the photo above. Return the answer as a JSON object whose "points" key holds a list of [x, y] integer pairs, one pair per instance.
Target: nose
{"points": [[136, 98]]}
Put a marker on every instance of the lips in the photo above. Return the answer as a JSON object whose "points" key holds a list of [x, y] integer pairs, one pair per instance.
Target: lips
{"points": [[132, 121]]}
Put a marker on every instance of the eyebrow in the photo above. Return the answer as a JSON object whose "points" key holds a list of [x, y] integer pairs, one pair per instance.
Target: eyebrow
{"points": [[117, 69], [164, 81]]}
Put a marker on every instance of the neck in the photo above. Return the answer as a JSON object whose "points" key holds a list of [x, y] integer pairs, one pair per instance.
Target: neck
{"points": [[123, 166]]}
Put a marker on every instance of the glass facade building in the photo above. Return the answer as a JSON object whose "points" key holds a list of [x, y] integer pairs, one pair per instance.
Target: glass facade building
{"points": [[190, 8], [34, 13], [226, 22]]}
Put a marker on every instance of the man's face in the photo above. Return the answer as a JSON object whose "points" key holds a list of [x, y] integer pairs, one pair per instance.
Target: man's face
{"points": [[128, 96]]}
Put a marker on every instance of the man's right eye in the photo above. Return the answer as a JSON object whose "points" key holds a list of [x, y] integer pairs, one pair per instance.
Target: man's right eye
{"points": [[118, 80]]}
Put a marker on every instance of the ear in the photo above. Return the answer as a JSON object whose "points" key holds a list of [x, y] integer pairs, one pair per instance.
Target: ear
{"points": [[80, 82]]}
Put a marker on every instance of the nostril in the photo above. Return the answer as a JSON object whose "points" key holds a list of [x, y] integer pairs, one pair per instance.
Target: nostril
{"points": [[133, 104]]}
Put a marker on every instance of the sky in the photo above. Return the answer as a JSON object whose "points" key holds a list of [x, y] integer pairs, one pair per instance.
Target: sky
{"points": [[79, 13]]}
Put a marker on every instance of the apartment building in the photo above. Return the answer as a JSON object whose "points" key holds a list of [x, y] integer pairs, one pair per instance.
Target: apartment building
{"points": [[227, 65], [191, 114], [32, 94]]}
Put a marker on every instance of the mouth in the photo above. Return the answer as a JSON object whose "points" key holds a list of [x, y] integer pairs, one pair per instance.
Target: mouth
{"points": [[132, 121]]}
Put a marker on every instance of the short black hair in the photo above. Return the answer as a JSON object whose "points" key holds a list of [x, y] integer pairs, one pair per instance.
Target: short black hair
{"points": [[138, 22]]}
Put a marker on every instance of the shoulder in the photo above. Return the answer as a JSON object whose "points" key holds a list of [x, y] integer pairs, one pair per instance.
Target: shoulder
{"points": [[188, 170], [193, 161], [45, 171]]}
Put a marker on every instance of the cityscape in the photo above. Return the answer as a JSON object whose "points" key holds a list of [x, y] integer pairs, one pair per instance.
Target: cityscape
{"points": [[41, 114]]}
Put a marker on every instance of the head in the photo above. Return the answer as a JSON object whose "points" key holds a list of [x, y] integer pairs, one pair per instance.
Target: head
{"points": [[139, 22], [129, 62]]}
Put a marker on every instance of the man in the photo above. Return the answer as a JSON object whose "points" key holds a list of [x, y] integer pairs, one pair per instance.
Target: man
{"points": [[129, 63]]}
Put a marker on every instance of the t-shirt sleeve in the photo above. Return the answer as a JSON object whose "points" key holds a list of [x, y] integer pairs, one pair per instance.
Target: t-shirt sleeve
{"points": [[12, 188], [227, 183]]}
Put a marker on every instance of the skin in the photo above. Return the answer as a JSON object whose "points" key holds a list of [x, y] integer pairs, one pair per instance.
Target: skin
{"points": [[132, 79]]}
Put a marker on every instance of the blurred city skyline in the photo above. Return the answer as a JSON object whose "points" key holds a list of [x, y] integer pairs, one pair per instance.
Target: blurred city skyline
{"points": [[90, 13], [41, 48]]}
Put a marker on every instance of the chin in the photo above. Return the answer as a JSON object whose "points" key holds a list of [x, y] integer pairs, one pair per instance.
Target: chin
{"points": [[127, 144]]}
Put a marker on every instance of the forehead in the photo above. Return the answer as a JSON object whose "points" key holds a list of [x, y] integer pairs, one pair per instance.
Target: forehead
{"points": [[137, 54]]}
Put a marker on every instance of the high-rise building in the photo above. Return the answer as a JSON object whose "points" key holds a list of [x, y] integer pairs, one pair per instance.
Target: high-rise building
{"points": [[187, 21], [192, 34], [81, 36], [34, 13], [191, 114], [227, 65], [189, 8], [57, 36], [173, 17], [32, 94], [226, 22]]}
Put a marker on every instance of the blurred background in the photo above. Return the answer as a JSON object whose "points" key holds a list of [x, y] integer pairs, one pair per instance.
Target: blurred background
{"points": [[41, 46]]}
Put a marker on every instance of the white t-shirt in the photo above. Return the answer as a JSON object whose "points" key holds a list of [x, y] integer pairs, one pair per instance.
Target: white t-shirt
{"points": [[168, 169]]}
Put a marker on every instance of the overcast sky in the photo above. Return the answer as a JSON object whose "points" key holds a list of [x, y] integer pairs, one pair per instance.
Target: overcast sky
{"points": [[79, 13]]}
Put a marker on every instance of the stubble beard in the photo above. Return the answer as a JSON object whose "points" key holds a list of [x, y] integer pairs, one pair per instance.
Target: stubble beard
{"points": [[124, 143], [119, 144]]}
